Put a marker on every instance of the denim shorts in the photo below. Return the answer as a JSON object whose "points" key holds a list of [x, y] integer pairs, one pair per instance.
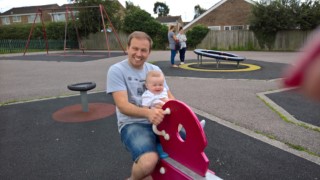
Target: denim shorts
{"points": [[138, 139]]}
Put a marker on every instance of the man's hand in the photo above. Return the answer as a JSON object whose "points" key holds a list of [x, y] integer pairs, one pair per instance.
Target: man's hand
{"points": [[155, 115]]}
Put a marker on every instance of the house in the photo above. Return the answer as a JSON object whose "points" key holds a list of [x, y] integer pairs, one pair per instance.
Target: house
{"points": [[50, 13], [170, 20], [24, 15], [58, 14], [225, 15]]}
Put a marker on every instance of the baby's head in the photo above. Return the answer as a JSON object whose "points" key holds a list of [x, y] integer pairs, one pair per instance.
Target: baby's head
{"points": [[155, 81]]}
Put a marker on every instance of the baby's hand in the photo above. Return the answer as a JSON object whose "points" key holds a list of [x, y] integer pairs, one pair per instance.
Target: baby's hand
{"points": [[164, 100], [158, 105]]}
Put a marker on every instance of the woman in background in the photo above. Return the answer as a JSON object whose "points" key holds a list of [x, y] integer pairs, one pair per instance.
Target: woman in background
{"points": [[183, 44], [172, 44]]}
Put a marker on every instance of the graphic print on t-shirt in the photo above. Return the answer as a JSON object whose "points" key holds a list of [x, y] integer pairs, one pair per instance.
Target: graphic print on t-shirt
{"points": [[137, 87]]}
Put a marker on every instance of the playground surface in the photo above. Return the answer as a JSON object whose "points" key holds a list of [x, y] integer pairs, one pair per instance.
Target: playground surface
{"points": [[236, 106], [64, 57]]}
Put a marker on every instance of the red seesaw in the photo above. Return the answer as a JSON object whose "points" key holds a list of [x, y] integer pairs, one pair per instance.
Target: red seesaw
{"points": [[186, 158]]}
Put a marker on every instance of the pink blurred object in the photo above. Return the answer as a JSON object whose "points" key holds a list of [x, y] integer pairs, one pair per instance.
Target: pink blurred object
{"points": [[294, 76]]}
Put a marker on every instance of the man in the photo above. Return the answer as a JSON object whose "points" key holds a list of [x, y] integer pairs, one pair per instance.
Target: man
{"points": [[125, 81]]}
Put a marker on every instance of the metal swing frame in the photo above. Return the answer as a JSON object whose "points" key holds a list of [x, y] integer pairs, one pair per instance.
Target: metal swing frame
{"points": [[102, 14]]}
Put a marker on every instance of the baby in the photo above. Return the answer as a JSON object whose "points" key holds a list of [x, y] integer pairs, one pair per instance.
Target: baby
{"points": [[156, 92]]}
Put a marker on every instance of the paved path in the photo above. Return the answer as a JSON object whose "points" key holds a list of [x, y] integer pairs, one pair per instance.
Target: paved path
{"points": [[232, 102]]}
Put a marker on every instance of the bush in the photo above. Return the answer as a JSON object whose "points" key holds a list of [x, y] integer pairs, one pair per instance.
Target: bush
{"points": [[137, 19], [196, 35], [54, 31]]}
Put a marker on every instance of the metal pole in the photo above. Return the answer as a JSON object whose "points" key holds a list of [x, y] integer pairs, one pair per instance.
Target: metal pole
{"points": [[28, 42], [115, 32], [104, 30], [65, 31], [84, 101]]}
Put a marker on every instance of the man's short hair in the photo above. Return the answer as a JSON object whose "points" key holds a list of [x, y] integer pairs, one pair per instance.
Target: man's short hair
{"points": [[140, 35]]}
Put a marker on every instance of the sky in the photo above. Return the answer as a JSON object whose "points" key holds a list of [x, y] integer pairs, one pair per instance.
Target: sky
{"points": [[185, 8]]}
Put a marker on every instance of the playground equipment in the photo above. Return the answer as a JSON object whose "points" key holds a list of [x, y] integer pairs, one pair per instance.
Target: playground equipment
{"points": [[83, 88], [69, 10], [103, 14], [186, 158], [85, 111], [218, 56]]}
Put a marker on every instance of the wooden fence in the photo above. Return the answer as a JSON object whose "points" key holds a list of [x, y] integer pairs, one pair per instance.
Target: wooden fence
{"points": [[246, 40], [221, 40], [216, 40], [99, 41]]}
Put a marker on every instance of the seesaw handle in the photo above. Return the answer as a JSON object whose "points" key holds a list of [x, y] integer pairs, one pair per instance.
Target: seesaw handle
{"points": [[163, 132]]}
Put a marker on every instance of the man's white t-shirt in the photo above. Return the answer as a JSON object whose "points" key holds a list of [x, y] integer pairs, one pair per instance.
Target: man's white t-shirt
{"points": [[123, 77]]}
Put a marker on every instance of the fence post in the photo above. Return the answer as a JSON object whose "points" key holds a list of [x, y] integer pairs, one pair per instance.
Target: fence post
{"points": [[10, 40]]}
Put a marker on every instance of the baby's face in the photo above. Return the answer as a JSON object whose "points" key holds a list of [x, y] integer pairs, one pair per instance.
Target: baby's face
{"points": [[155, 85]]}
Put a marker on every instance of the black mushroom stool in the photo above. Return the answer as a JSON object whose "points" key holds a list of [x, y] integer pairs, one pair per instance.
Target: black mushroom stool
{"points": [[83, 88]]}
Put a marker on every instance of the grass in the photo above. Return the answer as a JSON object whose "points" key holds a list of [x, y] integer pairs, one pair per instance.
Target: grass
{"points": [[36, 99]]}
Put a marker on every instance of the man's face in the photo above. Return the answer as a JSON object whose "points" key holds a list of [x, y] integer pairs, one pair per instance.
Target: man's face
{"points": [[138, 52]]}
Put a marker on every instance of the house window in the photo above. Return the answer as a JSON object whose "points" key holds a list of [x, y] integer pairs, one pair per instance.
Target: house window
{"points": [[58, 17], [16, 18], [31, 19], [233, 28], [236, 27], [215, 28], [5, 20], [75, 13], [227, 28]]}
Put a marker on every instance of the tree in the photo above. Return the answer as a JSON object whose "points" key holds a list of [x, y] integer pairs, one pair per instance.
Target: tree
{"points": [[137, 19], [198, 11], [90, 17], [130, 5], [161, 9], [309, 15], [268, 19], [196, 34]]}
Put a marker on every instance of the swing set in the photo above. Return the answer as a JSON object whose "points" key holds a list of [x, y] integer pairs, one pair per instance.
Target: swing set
{"points": [[103, 14]]}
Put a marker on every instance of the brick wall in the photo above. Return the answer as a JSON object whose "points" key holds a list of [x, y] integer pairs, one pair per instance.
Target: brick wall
{"points": [[232, 12]]}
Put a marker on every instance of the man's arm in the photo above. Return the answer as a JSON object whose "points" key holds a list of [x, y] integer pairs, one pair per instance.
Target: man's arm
{"points": [[155, 116]]}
